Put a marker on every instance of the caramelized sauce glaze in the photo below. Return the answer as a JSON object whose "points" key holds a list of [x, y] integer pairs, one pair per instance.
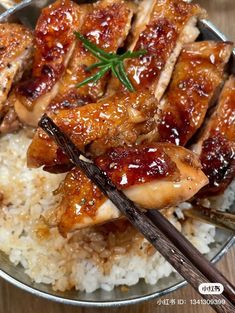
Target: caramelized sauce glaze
{"points": [[198, 74], [81, 198], [218, 163], [37, 86], [128, 166], [12, 38], [53, 39], [106, 25], [218, 143], [125, 166], [71, 100], [99, 126], [159, 39]]}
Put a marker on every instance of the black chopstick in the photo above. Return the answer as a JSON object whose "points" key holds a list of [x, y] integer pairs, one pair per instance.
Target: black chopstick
{"points": [[137, 217], [185, 246]]}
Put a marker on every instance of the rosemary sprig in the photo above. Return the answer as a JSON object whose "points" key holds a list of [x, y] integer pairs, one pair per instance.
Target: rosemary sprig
{"points": [[108, 62]]}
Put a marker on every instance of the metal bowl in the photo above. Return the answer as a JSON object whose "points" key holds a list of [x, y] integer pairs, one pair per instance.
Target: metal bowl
{"points": [[27, 13]]}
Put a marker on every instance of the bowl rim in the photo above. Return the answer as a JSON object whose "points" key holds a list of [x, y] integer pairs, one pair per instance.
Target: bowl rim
{"points": [[16, 7], [110, 303]]}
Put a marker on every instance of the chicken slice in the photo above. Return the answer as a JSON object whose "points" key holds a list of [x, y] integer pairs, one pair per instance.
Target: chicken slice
{"points": [[216, 145], [197, 78], [16, 49], [161, 28], [99, 144], [107, 25], [198, 74], [153, 176], [54, 45], [96, 127]]}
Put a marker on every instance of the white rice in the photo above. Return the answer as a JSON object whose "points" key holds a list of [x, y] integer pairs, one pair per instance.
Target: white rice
{"points": [[87, 260]]}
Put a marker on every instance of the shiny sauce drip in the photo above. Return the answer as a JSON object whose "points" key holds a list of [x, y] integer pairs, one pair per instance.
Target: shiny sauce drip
{"points": [[158, 40], [35, 87], [173, 129], [125, 166], [105, 25], [81, 199], [218, 163], [136, 165], [72, 99], [186, 105], [198, 74], [218, 146], [57, 21], [97, 126]]}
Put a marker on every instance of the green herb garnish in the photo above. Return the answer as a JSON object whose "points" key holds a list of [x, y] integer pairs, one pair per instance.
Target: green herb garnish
{"points": [[108, 62]]}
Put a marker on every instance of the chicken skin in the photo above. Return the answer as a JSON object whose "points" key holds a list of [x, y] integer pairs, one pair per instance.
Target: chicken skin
{"points": [[153, 176], [137, 138], [16, 51], [196, 81], [61, 60], [54, 45], [200, 72], [107, 25], [216, 145], [161, 28], [148, 39], [96, 127]]}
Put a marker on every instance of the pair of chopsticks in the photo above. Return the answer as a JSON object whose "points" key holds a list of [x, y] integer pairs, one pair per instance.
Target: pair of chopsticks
{"points": [[176, 249]]}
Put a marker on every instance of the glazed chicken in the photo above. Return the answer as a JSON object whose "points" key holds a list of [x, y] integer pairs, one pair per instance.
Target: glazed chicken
{"points": [[54, 45], [196, 81], [136, 138], [152, 39], [198, 74], [153, 176], [161, 28], [106, 24], [216, 145], [117, 120], [16, 50]]}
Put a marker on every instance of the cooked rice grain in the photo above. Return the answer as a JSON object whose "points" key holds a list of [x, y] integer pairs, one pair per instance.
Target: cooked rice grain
{"points": [[88, 259]]}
